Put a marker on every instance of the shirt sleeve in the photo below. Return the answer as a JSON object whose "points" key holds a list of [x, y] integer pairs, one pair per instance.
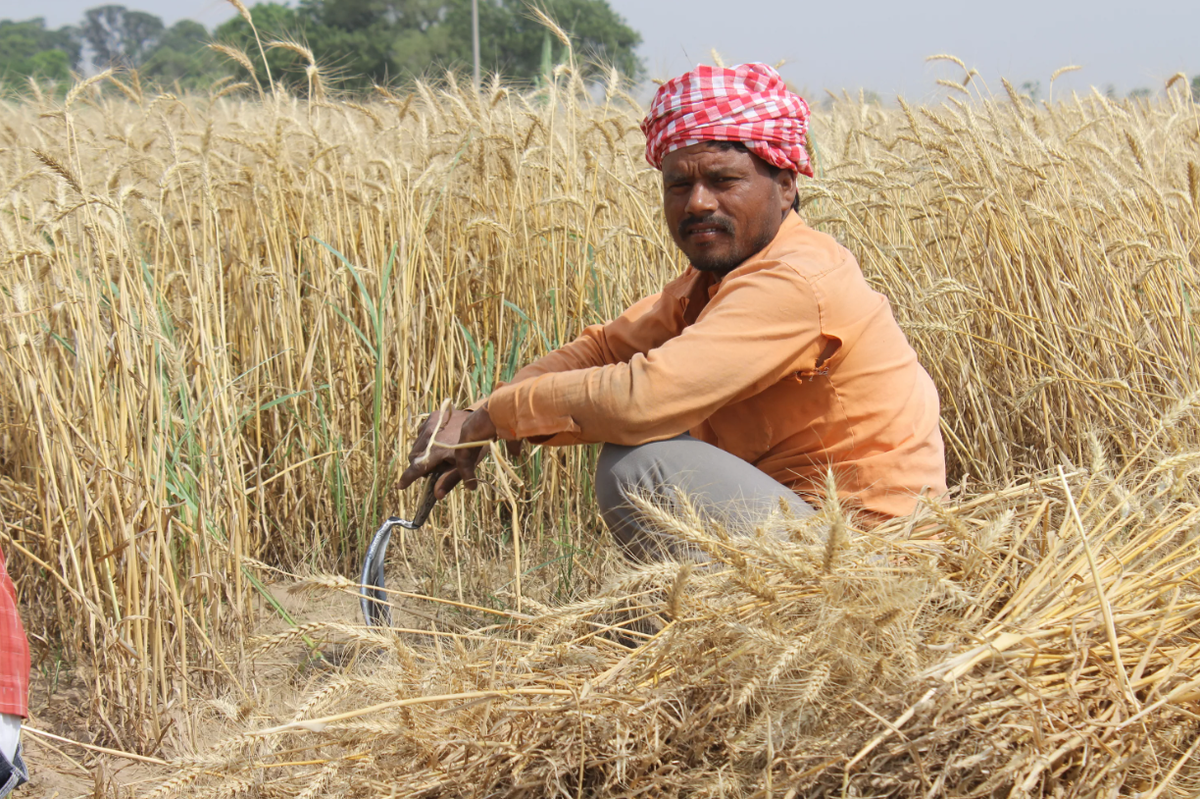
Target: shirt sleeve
{"points": [[644, 325], [758, 328]]}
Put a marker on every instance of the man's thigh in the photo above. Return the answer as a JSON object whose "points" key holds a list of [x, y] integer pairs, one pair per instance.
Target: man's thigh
{"points": [[722, 487]]}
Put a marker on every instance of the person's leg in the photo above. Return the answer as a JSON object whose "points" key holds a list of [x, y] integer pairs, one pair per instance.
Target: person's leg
{"points": [[721, 486], [12, 767]]}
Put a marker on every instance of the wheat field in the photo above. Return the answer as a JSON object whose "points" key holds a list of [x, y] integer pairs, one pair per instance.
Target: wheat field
{"points": [[224, 315]]}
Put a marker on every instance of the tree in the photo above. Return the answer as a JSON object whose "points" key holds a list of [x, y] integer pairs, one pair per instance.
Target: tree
{"points": [[181, 56], [1196, 88], [274, 21], [118, 36], [380, 41], [29, 49], [598, 36], [353, 15], [375, 41]]}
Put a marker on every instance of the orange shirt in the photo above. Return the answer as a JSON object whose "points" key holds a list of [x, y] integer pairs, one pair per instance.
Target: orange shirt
{"points": [[791, 362]]}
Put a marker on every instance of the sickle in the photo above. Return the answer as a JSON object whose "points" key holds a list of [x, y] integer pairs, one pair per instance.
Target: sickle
{"points": [[372, 596]]}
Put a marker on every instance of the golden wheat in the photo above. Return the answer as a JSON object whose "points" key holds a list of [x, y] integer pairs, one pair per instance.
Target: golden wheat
{"points": [[223, 317]]}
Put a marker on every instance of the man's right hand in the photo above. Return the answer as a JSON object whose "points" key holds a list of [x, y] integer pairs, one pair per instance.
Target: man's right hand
{"points": [[424, 458]]}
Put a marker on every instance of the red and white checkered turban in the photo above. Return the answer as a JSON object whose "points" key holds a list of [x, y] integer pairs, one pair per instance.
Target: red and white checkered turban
{"points": [[749, 103]]}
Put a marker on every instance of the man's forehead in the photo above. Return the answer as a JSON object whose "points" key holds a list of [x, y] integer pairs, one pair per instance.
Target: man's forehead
{"points": [[706, 155]]}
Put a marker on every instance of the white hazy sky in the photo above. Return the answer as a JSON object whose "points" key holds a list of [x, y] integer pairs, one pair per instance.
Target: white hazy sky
{"points": [[877, 44]]}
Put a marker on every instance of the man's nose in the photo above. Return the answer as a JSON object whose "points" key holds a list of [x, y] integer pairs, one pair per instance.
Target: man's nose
{"points": [[701, 200]]}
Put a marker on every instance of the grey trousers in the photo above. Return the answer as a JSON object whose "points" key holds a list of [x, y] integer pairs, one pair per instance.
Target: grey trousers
{"points": [[722, 487]]}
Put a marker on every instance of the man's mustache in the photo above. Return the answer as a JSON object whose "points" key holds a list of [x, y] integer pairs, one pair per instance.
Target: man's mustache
{"points": [[712, 220]]}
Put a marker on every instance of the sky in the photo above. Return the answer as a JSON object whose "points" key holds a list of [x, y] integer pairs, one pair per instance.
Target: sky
{"points": [[876, 45]]}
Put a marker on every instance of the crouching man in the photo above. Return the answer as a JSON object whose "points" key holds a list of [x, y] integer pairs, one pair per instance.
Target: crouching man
{"points": [[769, 362]]}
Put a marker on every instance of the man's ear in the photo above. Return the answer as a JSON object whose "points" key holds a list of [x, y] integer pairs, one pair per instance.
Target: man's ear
{"points": [[786, 180]]}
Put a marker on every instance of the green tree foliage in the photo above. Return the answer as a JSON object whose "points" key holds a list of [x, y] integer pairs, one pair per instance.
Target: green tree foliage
{"points": [[30, 49], [174, 56], [1196, 88], [274, 22], [514, 47], [118, 36], [382, 41], [180, 56]]}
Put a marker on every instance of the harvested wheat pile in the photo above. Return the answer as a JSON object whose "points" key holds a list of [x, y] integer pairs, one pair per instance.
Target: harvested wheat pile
{"points": [[1038, 640]]}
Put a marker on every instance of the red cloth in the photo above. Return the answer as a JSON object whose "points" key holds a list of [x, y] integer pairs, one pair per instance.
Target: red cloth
{"points": [[749, 103], [14, 651]]}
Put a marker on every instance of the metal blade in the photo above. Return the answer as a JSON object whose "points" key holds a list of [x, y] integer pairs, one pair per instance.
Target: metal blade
{"points": [[373, 599]]}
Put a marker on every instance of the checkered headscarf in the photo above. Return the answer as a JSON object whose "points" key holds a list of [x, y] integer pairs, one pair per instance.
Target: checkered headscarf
{"points": [[749, 103]]}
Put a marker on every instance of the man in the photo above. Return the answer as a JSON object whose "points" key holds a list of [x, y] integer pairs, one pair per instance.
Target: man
{"points": [[767, 364], [14, 685]]}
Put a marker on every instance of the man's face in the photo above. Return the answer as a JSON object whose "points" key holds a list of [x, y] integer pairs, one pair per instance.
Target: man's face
{"points": [[723, 204]]}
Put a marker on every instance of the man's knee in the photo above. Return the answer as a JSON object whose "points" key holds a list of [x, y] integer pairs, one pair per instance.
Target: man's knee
{"points": [[643, 469], [622, 472], [613, 476]]}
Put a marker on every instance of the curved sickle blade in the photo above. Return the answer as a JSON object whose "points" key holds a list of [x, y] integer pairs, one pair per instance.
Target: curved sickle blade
{"points": [[373, 599]]}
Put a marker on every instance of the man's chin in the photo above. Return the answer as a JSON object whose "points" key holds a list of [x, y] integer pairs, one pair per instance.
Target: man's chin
{"points": [[723, 260], [711, 262]]}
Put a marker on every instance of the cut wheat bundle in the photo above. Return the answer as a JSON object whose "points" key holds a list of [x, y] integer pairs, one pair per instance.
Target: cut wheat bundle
{"points": [[1033, 641]]}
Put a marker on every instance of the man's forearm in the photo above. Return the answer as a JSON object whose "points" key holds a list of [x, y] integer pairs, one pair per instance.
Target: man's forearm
{"points": [[582, 353], [585, 352], [644, 325]]}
